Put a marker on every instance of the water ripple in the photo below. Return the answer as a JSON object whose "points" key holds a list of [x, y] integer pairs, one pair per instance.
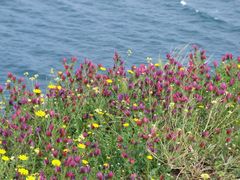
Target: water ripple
{"points": [[36, 35]]}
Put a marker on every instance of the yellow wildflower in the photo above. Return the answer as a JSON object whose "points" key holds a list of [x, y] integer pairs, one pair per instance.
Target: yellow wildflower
{"points": [[66, 150], [51, 86], [30, 177], [85, 162], [5, 158], [42, 99], [37, 91], [23, 171], [56, 163], [102, 68], [109, 81], [136, 119], [238, 66], [156, 65], [2, 151], [181, 69], [59, 87], [100, 113], [95, 125], [126, 124], [23, 157], [81, 146], [149, 157], [91, 115], [40, 113], [106, 165], [130, 72], [205, 176]]}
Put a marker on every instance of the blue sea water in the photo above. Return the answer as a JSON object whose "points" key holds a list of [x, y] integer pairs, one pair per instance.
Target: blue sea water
{"points": [[35, 35]]}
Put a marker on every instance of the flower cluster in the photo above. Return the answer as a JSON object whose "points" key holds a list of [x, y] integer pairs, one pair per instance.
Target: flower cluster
{"points": [[152, 121]]}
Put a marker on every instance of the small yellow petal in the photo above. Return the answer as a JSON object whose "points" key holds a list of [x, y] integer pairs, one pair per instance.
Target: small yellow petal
{"points": [[126, 124], [23, 157], [56, 162], [37, 91], [102, 68], [81, 146], [85, 162], [109, 81], [149, 157], [5, 158], [95, 125], [40, 113]]}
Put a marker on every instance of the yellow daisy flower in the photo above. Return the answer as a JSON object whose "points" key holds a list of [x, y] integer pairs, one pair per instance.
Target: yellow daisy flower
{"points": [[109, 81], [81, 146], [37, 91], [2, 151], [130, 72], [23, 171], [95, 125], [149, 157], [23, 157], [56, 162], [30, 177], [85, 162], [126, 124], [5, 158], [40, 113], [102, 68], [51, 86]]}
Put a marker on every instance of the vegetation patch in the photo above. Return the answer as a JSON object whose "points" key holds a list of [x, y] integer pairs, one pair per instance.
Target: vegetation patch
{"points": [[152, 121]]}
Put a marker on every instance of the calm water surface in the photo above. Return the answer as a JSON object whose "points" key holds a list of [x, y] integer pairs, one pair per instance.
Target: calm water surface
{"points": [[36, 35]]}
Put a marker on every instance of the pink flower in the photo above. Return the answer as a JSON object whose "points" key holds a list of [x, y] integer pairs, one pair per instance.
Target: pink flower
{"points": [[100, 176]]}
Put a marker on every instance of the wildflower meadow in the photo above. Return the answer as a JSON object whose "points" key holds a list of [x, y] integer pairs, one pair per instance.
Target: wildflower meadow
{"points": [[153, 121]]}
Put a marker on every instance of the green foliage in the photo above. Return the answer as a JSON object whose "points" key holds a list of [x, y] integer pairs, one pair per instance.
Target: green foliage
{"points": [[154, 121]]}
